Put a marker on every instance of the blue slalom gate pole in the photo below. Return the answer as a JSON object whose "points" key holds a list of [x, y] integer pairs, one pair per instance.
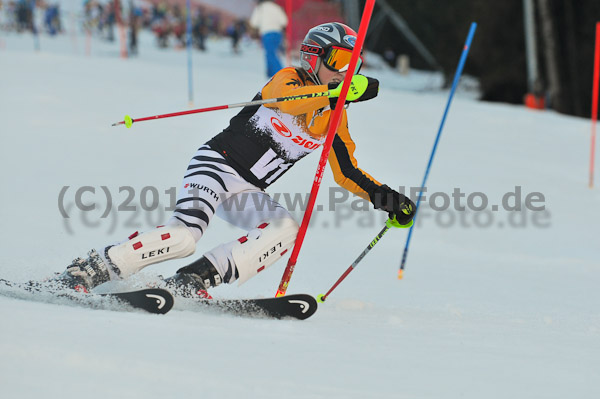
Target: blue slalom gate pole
{"points": [[189, 51], [457, 75]]}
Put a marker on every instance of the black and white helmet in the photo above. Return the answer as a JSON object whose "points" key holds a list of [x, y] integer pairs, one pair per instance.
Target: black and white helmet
{"points": [[318, 42]]}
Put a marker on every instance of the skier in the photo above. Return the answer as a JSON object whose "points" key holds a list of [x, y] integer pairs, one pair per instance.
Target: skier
{"points": [[227, 176]]}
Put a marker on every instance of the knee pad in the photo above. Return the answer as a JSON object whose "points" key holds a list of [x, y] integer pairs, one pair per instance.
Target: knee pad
{"points": [[160, 244], [263, 246]]}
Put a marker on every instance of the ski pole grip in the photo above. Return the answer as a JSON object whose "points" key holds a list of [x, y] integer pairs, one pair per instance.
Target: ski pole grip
{"points": [[394, 223]]}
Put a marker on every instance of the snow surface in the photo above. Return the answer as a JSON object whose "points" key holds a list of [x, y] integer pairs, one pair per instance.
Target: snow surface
{"points": [[483, 312]]}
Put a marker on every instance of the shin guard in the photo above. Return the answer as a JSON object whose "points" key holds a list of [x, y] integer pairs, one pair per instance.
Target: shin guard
{"points": [[263, 246], [160, 244]]}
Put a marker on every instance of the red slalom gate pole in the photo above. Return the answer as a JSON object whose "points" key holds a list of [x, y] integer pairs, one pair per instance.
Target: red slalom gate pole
{"points": [[333, 126], [288, 32], [595, 103]]}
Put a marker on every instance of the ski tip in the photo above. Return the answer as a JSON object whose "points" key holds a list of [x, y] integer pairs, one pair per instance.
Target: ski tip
{"points": [[400, 274], [128, 121], [321, 298]]}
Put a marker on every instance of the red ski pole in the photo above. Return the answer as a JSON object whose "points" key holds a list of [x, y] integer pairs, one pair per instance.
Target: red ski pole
{"points": [[128, 120], [388, 224], [333, 126]]}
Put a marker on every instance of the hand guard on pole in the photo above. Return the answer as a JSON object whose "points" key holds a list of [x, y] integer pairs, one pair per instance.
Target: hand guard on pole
{"points": [[399, 207], [362, 88]]}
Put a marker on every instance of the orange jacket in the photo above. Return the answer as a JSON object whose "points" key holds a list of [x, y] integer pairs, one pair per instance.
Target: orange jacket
{"points": [[312, 117]]}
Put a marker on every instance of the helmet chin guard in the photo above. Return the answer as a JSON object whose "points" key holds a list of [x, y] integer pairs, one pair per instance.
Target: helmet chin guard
{"points": [[311, 63]]}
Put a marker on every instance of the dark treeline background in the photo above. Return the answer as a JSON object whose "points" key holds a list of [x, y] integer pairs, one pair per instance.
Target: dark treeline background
{"points": [[565, 34]]}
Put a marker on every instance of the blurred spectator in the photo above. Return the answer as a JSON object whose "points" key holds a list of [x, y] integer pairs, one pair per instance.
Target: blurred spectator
{"points": [[178, 25], [160, 25], [236, 30], [7, 12], [110, 20], [135, 15], [94, 17], [270, 20], [24, 13], [52, 20], [200, 30]]}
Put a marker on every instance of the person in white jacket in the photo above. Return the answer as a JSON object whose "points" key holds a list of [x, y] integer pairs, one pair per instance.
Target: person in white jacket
{"points": [[270, 20]]}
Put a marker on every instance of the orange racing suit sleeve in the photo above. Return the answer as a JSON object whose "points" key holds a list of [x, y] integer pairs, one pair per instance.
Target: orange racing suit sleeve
{"points": [[288, 82], [345, 167]]}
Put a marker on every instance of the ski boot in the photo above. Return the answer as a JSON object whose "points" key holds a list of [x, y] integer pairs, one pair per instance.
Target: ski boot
{"points": [[84, 274], [193, 280]]}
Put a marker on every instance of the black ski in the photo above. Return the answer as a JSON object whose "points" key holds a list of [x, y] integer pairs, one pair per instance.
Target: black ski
{"points": [[153, 300], [298, 306], [160, 301]]}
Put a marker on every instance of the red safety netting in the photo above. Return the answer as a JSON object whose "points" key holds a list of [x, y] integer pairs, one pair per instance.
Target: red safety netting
{"points": [[309, 13]]}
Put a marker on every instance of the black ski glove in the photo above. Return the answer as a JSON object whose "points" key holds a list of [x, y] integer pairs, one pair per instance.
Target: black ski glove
{"points": [[394, 203], [370, 92]]}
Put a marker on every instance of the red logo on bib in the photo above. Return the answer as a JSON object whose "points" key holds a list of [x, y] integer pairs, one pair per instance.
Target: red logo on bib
{"points": [[280, 127]]}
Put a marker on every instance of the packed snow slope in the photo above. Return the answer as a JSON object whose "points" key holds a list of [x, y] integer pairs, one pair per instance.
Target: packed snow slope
{"points": [[494, 304]]}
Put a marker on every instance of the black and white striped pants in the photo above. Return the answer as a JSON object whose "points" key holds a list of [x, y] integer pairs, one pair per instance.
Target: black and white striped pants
{"points": [[211, 186]]}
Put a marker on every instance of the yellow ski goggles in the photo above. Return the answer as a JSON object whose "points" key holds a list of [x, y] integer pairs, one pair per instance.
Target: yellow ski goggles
{"points": [[338, 59]]}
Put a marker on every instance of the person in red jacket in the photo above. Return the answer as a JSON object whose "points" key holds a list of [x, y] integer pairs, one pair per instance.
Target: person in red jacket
{"points": [[228, 175]]}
